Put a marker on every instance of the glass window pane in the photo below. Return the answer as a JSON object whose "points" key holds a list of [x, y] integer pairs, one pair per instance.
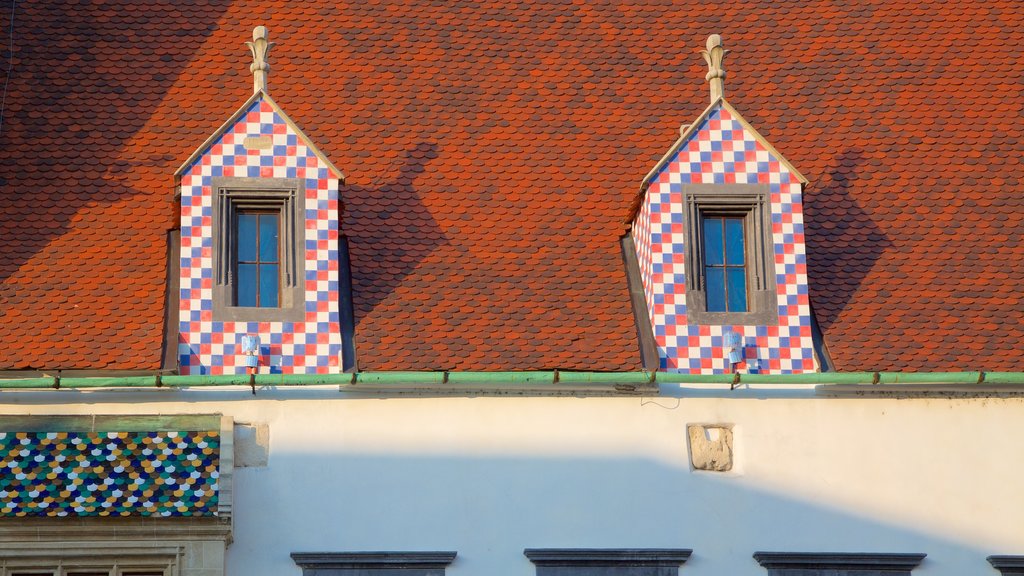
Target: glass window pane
{"points": [[737, 278], [246, 285], [713, 241], [268, 285], [734, 241], [247, 237], [715, 289], [268, 237]]}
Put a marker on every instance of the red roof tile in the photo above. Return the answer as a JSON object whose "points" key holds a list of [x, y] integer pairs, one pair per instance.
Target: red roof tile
{"points": [[492, 153]]}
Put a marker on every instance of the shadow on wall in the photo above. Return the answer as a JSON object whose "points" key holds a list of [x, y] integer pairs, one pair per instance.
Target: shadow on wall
{"points": [[489, 509], [390, 231], [838, 226]]}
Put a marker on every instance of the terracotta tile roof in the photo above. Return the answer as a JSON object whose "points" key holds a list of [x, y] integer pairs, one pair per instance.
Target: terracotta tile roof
{"points": [[492, 153]]}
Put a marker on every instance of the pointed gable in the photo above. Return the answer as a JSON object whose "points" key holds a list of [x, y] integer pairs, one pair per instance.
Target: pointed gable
{"points": [[259, 118], [710, 120]]}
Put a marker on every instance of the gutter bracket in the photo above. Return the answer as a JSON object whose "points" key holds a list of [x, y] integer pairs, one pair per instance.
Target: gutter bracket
{"points": [[735, 381]]}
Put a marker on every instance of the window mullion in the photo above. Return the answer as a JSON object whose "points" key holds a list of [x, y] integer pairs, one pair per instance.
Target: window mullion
{"points": [[259, 269], [725, 263], [756, 246], [286, 240]]}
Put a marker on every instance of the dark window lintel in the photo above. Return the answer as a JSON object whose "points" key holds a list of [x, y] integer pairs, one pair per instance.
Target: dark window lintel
{"points": [[839, 560], [372, 560], [1008, 565], [608, 556]]}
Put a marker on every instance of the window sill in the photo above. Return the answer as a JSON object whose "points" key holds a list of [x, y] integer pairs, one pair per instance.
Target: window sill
{"points": [[764, 313], [243, 314]]}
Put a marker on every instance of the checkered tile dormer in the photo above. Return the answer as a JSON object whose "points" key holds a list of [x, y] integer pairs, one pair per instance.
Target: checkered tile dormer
{"points": [[312, 346], [720, 150]]}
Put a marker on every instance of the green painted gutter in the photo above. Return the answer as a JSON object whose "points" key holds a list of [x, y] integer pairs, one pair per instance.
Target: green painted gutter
{"points": [[537, 381], [107, 382], [1004, 377]]}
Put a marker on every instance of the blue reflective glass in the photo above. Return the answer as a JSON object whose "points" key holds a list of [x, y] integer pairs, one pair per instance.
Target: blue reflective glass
{"points": [[247, 229], [268, 237], [268, 285], [734, 241], [715, 278], [737, 279], [713, 241], [246, 285]]}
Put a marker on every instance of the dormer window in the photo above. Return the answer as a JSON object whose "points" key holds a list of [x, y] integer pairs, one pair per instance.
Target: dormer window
{"points": [[262, 253], [717, 234]]}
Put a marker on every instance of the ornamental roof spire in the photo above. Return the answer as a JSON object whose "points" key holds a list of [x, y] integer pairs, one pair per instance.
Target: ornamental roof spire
{"points": [[716, 73], [260, 48]]}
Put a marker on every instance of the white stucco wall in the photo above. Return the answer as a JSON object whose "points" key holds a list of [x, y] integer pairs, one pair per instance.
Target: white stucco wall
{"points": [[489, 476]]}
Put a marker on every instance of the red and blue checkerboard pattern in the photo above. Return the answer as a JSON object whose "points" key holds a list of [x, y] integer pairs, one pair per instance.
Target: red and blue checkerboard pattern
{"points": [[722, 151], [206, 346]]}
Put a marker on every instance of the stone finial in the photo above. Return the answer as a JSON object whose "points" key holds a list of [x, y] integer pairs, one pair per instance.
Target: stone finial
{"points": [[716, 73], [260, 48]]}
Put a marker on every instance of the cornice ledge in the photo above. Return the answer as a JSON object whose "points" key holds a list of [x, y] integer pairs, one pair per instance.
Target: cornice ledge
{"points": [[356, 560], [608, 556], [839, 560], [92, 528], [1008, 565]]}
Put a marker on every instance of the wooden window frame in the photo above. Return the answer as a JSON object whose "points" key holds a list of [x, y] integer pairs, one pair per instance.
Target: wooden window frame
{"points": [[752, 203], [725, 266], [237, 260], [285, 195]]}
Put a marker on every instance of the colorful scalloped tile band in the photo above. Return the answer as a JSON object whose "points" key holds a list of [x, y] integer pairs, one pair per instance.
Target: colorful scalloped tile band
{"points": [[109, 473]]}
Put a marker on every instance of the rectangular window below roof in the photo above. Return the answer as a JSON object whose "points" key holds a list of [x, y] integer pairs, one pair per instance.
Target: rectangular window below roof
{"points": [[75, 560], [725, 268], [730, 275], [129, 548], [257, 259]]}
